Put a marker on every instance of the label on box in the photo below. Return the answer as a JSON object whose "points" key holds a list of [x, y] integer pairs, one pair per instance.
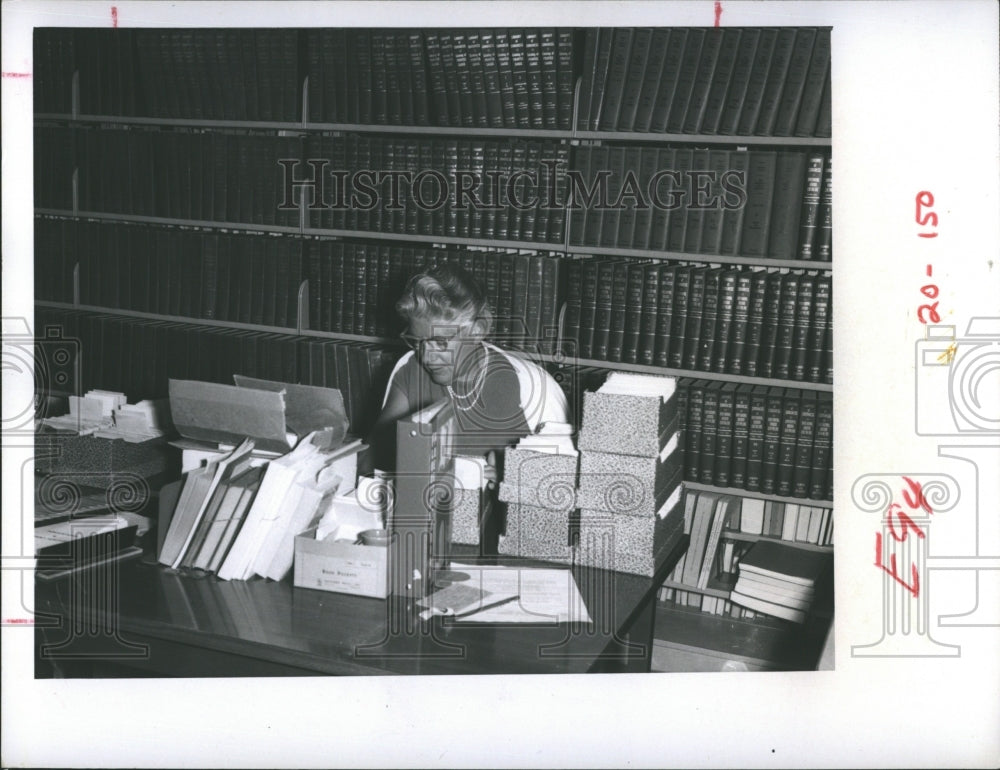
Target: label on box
{"points": [[353, 575]]}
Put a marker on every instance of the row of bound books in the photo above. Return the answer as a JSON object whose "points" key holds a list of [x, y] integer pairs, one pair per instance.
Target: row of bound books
{"points": [[473, 78], [245, 278], [139, 356], [750, 81], [353, 288], [780, 580], [731, 320], [715, 555], [778, 441], [791, 522], [181, 175], [431, 203], [757, 203], [200, 74]]}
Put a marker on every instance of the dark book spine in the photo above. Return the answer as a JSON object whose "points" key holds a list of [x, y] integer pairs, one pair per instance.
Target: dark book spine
{"points": [[704, 76], [418, 71], [795, 83], [820, 465], [618, 313], [634, 79], [533, 70], [360, 288], [549, 76], [520, 329], [659, 226], [695, 314], [707, 194], [817, 328], [460, 48], [571, 320], [741, 436], [588, 308], [803, 327], [602, 65], [810, 207], [380, 96], [505, 297], [720, 81], [760, 193], [681, 188], [450, 68], [578, 214], [491, 79], [634, 312], [686, 76], [549, 321], [737, 91], [477, 75], [593, 220], [824, 121], [693, 430], [603, 308], [709, 319], [347, 289], [789, 184], [679, 322], [519, 70], [629, 197], [786, 327], [772, 441], [653, 68], [646, 354], [611, 217], [755, 438], [436, 79], [667, 84], [789, 434], [724, 441], [757, 82], [587, 81], [565, 79], [812, 92], [804, 444], [824, 233], [761, 357], [665, 316], [776, 76], [370, 314], [741, 323], [722, 353], [506, 78], [644, 209], [709, 433]]}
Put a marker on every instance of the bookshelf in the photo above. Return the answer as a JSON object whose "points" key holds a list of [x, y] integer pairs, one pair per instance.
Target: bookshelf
{"points": [[242, 97]]}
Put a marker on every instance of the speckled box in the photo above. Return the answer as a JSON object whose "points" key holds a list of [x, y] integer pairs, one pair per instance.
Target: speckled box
{"points": [[626, 484], [555, 494], [628, 425], [466, 510], [634, 544], [525, 468], [537, 533]]}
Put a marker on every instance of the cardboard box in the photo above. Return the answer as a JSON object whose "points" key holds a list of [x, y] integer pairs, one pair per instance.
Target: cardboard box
{"points": [[633, 544], [104, 463], [341, 567], [525, 468], [274, 414], [628, 484], [537, 533], [557, 495], [627, 424]]}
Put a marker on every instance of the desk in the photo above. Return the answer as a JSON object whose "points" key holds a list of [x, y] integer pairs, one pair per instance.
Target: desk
{"points": [[156, 623]]}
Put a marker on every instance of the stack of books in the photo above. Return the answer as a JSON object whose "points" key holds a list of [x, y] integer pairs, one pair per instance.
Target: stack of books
{"points": [[237, 518], [780, 580], [630, 474]]}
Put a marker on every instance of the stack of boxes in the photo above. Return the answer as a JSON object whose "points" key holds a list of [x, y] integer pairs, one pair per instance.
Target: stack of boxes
{"points": [[539, 488], [631, 465]]}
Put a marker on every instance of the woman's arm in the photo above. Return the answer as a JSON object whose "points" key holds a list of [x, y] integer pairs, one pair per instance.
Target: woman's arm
{"points": [[382, 438]]}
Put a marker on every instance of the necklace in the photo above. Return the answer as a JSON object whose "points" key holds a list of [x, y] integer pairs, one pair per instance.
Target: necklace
{"points": [[473, 395]]}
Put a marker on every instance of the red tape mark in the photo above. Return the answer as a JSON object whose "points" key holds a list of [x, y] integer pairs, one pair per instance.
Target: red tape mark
{"points": [[17, 74], [718, 12], [114, 16]]}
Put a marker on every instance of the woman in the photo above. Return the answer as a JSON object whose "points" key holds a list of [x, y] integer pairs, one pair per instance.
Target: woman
{"points": [[497, 397]]}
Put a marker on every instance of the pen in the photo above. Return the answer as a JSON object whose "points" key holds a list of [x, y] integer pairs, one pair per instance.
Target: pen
{"points": [[500, 603]]}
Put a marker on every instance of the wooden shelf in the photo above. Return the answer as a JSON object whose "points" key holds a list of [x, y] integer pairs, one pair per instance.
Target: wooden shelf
{"points": [[680, 256], [749, 537], [699, 487], [374, 128], [695, 375], [200, 223], [450, 240], [290, 330]]}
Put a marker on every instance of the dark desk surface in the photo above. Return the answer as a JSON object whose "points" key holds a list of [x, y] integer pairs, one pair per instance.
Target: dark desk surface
{"points": [[167, 623]]}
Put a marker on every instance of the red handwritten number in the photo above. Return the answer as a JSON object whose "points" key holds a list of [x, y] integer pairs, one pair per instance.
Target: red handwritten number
{"points": [[935, 316], [930, 291], [923, 218], [892, 570], [895, 510], [915, 502]]}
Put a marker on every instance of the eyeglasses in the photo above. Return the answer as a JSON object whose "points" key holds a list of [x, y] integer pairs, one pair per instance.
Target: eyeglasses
{"points": [[438, 342]]}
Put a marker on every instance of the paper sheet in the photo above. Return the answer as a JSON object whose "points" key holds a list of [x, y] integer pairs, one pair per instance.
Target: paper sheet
{"points": [[544, 595]]}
